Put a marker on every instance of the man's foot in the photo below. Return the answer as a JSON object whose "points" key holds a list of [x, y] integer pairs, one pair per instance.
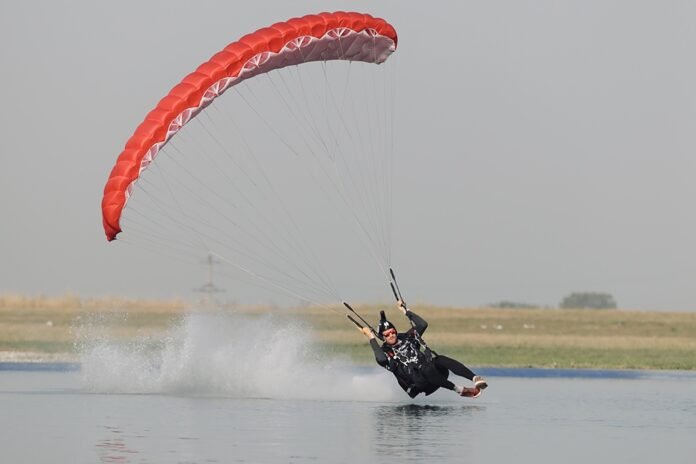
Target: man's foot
{"points": [[470, 392], [480, 382]]}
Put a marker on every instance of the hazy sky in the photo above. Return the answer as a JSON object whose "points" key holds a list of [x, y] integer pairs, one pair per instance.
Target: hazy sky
{"points": [[544, 147]]}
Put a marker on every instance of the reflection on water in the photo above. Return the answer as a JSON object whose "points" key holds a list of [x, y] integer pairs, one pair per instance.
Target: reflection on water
{"points": [[407, 412], [413, 431], [114, 448]]}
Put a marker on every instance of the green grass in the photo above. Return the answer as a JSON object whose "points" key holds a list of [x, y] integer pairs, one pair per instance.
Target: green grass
{"points": [[643, 358], [540, 357], [37, 346]]}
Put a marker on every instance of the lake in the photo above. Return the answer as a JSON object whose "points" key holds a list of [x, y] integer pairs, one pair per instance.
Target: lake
{"points": [[67, 414]]}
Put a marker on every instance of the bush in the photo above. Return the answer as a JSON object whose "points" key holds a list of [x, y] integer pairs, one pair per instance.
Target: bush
{"points": [[513, 304], [588, 300]]}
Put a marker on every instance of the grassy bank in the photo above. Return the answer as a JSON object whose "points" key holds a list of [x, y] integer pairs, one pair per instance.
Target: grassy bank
{"points": [[614, 339], [617, 339]]}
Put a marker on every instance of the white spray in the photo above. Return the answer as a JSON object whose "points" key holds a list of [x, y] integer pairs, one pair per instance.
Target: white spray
{"points": [[230, 355]]}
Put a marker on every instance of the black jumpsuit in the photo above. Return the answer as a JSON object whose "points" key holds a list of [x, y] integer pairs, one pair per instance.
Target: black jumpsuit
{"points": [[416, 368]]}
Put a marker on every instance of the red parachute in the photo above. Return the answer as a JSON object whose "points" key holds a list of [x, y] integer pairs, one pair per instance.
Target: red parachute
{"points": [[322, 37]]}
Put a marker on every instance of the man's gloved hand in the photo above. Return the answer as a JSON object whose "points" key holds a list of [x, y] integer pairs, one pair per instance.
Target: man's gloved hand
{"points": [[402, 306], [368, 332]]}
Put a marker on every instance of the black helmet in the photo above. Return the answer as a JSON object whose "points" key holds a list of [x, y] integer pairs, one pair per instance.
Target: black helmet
{"points": [[384, 324]]}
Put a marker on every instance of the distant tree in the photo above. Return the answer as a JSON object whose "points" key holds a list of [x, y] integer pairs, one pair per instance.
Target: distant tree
{"points": [[513, 304], [588, 300]]}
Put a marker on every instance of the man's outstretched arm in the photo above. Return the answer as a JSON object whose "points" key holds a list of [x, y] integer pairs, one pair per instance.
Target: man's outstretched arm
{"points": [[380, 356], [417, 322]]}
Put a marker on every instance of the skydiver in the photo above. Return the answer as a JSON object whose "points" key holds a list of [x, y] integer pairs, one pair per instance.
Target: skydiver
{"points": [[415, 366]]}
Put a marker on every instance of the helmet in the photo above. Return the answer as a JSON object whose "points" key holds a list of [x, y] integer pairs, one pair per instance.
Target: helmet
{"points": [[384, 324]]}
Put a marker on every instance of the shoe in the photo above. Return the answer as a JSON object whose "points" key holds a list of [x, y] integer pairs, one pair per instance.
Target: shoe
{"points": [[480, 382], [471, 392]]}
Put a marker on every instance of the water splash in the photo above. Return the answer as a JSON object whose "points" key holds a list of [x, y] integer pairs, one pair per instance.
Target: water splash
{"points": [[230, 355]]}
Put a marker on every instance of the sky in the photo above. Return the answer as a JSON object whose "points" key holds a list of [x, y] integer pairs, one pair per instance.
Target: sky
{"points": [[544, 147]]}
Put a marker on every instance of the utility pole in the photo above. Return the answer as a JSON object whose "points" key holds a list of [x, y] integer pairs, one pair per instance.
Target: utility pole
{"points": [[209, 288]]}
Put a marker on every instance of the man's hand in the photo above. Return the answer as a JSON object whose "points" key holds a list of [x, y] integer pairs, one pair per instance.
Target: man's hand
{"points": [[402, 306], [368, 332]]}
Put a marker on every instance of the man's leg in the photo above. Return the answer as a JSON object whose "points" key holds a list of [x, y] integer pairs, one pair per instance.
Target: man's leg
{"points": [[431, 375], [457, 368]]}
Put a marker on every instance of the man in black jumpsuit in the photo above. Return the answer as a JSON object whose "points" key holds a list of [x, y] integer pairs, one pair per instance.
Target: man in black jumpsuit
{"points": [[415, 366]]}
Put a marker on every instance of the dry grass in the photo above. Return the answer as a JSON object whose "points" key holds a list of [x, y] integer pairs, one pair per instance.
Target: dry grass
{"points": [[72, 304], [480, 336]]}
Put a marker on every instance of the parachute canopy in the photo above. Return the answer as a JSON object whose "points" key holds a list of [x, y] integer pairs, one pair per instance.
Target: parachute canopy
{"points": [[321, 37]]}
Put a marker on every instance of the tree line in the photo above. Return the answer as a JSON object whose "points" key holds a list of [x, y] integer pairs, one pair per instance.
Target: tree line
{"points": [[575, 300]]}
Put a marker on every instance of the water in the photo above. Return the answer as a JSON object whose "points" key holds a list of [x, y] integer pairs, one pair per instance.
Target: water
{"points": [[49, 417], [204, 397]]}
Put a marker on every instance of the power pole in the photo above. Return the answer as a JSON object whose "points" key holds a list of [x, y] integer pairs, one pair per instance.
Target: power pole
{"points": [[209, 288]]}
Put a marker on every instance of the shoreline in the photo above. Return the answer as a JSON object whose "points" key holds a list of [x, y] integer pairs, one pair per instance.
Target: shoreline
{"points": [[70, 361], [7, 357], [65, 365]]}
